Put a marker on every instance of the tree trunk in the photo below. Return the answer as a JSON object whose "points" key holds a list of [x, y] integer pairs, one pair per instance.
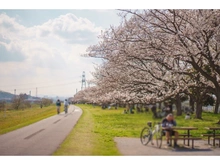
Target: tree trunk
{"points": [[217, 103], [216, 106], [191, 103], [160, 105], [178, 105], [198, 110]]}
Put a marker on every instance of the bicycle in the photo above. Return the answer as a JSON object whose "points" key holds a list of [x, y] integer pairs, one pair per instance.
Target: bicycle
{"points": [[148, 133], [66, 109]]}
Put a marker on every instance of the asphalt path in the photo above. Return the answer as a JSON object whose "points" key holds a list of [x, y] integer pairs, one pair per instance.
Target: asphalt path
{"points": [[133, 147], [41, 138]]}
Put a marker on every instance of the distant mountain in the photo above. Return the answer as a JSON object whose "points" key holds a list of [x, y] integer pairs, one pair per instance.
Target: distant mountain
{"points": [[8, 96], [5, 95]]}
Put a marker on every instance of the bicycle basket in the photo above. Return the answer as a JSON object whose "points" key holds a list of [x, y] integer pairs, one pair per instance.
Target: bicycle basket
{"points": [[149, 123]]}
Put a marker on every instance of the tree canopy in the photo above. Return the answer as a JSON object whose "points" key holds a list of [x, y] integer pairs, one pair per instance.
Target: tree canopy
{"points": [[155, 55]]}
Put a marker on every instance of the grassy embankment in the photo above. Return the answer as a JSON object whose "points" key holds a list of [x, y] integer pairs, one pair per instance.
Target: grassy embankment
{"points": [[95, 131], [13, 119]]}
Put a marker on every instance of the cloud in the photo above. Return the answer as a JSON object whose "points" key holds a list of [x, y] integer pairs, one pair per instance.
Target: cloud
{"points": [[70, 29], [10, 55], [46, 52], [47, 40], [9, 23]]}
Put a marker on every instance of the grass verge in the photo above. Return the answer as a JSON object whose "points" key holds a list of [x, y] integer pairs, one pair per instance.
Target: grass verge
{"points": [[13, 119], [95, 131], [84, 139]]}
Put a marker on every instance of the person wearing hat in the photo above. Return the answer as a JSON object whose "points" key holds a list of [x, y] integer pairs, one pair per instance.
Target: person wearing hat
{"points": [[167, 123]]}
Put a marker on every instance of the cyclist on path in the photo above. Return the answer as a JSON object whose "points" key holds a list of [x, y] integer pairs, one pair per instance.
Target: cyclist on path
{"points": [[66, 104], [58, 104]]}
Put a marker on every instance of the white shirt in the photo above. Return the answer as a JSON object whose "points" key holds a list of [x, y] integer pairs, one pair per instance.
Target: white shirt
{"points": [[66, 103]]}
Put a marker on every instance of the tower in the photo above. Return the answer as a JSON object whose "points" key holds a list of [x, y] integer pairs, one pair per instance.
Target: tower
{"points": [[14, 93], [36, 92], [83, 86]]}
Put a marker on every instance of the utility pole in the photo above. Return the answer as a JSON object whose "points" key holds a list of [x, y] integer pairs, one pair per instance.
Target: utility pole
{"points": [[14, 93], [36, 92]]}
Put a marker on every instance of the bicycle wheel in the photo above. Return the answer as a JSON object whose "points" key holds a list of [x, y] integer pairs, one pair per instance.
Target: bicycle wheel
{"points": [[145, 135], [159, 137]]}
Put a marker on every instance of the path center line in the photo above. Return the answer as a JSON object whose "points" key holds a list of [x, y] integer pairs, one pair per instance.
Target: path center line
{"points": [[30, 136], [56, 121]]}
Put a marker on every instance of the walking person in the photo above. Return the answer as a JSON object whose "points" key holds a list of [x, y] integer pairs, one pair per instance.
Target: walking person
{"points": [[66, 104], [58, 104]]}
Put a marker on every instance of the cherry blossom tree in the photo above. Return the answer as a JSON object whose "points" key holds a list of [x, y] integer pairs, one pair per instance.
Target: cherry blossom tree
{"points": [[130, 68], [193, 36], [158, 54]]}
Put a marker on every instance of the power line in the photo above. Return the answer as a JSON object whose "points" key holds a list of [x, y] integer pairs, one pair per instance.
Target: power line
{"points": [[47, 86], [37, 83]]}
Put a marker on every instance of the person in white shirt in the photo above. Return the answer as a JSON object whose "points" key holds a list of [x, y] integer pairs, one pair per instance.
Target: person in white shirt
{"points": [[187, 116], [66, 104]]}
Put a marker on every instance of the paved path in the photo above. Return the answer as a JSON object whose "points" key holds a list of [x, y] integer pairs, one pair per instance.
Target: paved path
{"points": [[41, 138], [133, 147]]}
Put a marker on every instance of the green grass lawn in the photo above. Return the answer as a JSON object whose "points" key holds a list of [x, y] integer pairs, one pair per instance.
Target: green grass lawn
{"points": [[13, 119], [94, 133]]}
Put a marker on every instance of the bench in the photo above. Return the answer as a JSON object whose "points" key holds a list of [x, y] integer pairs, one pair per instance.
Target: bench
{"points": [[218, 138], [184, 136], [189, 138], [210, 136]]}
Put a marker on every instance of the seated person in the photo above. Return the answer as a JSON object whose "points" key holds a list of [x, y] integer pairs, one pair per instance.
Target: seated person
{"points": [[167, 123], [187, 116]]}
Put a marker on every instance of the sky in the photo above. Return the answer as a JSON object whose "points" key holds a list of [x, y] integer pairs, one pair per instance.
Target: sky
{"points": [[41, 50], [41, 44]]}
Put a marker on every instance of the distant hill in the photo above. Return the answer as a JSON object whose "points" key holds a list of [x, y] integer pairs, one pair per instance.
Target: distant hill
{"points": [[4, 95], [8, 96]]}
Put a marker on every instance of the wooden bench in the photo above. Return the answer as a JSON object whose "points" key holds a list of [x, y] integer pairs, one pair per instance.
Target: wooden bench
{"points": [[184, 136], [209, 136], [218, 138], [189, 138]]}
